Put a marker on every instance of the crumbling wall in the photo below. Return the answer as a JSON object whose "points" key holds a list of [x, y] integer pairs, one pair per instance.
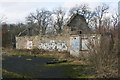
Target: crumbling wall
{"points": [[77, 45], [58, 43], [21, 42], [89, 40]]}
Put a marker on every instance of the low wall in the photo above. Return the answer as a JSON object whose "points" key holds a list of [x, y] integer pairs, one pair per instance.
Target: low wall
{"points": [[58, 43], [77, 45]]}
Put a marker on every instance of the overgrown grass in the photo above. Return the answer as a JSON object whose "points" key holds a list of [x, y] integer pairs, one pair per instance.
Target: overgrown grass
{"points": [[71, 70], [30, 53], [74, 71], [8, 74], [24, 53]]}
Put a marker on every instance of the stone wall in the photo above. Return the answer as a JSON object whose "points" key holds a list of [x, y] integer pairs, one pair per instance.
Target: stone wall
{"points": [[87, 42], [75, 44], [59, 43]]}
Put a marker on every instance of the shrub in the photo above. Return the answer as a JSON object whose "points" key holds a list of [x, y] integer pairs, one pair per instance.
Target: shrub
{"points": [[104, 57]]}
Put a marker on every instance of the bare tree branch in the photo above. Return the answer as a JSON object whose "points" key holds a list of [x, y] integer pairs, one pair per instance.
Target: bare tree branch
{"points": [[59, 17], [42, 17]]}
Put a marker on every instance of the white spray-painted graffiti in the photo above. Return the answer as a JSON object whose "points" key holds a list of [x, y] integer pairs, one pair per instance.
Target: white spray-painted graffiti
{"points": [[52, 45]]}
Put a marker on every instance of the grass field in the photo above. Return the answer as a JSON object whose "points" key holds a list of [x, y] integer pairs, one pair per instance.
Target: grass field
{"points": [[37, 67]]}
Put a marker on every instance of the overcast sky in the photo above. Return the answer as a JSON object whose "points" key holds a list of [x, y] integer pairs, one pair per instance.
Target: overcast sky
{"points": [[15, 11]]}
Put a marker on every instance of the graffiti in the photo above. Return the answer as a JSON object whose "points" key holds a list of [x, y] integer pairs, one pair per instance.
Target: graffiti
{"points": [[52, 45]]}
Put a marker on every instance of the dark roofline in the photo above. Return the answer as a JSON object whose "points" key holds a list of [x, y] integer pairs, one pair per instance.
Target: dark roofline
{"points": [[73, 17]]}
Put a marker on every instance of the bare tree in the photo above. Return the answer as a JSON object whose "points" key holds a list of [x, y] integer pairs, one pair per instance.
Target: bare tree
{"points": [[105, 57], [100, 11], [58, 21], [30, 19], [106, 24], [42, 17], [115, 20]]}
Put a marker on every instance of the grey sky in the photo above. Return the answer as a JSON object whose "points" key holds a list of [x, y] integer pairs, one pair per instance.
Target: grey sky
{"points": [[16, 11]]}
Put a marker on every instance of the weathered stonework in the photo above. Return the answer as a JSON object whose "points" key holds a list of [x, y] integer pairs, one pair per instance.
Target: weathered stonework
{"points": [[60, 43], [73, 39], [77, 45]]}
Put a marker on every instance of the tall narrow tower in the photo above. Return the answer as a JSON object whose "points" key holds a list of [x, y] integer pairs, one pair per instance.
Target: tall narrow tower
{"points": [[119, 10]]}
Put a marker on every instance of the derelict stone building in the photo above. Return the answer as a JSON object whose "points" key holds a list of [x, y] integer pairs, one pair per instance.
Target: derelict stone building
{"points": [[73, 39]]}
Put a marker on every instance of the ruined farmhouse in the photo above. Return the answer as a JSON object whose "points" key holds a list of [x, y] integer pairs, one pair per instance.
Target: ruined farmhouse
{"points": [[73, 39]]}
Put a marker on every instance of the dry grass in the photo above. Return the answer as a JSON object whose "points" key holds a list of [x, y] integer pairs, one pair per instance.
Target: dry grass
{"points": [[104, 58], [42, 53]]}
